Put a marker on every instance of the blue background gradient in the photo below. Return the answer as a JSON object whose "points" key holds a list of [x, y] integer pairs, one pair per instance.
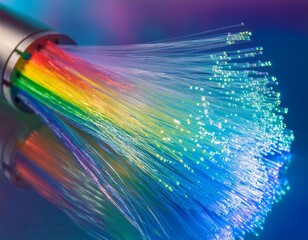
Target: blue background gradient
{"points": [[281, 27]]}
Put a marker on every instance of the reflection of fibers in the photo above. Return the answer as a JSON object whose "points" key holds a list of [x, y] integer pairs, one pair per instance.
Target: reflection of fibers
{"points": [[195, 120], [44, 164]]}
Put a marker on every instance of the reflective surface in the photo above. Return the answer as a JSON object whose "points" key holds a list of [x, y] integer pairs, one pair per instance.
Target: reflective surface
{"points": [[281, 27], [25, 215]]}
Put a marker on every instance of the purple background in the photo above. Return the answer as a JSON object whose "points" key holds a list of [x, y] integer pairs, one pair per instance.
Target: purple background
{"points": [[281, 27]]}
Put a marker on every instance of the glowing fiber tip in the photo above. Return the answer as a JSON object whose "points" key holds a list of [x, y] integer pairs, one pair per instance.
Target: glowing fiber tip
{"points": [[199, 122]]}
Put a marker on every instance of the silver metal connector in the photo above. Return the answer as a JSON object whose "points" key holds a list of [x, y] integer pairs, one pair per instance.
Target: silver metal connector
{"points": [[19, 37]]}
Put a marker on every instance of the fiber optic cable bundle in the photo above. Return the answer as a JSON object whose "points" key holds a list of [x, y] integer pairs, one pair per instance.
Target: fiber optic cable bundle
{"points": [[195, 122], [32, 157]]}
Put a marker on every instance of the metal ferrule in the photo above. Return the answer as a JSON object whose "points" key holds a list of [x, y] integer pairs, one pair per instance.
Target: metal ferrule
{"points": [[19, 37]]}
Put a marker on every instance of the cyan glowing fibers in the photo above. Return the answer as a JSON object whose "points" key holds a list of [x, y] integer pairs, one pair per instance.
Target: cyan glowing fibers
{"points": [[197, 121]]}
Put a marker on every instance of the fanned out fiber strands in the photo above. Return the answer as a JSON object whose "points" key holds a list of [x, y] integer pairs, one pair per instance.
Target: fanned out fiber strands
{"points": [[51, 170], [196, 123]]}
